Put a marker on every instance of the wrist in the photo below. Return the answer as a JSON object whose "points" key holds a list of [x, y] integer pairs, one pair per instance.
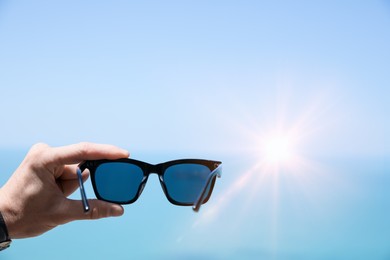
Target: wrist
{"points": [[5, 240], [7, 215]]}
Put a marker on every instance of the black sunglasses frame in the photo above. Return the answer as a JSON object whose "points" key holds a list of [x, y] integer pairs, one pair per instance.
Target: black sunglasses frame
{"points": [[158, 169]]}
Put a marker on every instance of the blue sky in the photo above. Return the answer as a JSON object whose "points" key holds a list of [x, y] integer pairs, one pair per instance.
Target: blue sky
{"points": [[203, 79], [130, 73]]}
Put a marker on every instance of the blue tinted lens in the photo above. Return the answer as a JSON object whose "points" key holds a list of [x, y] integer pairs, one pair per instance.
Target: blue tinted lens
{"points": [[185, 182], [118, 182]]}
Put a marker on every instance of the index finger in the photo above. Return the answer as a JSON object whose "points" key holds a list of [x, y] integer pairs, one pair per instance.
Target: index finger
{"points": [[77, 153]]}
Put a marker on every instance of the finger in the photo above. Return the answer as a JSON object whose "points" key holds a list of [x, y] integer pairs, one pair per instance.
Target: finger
{"points": [[73, 210], [70, 172], [67, 178], [77, 153], [70, 185]]}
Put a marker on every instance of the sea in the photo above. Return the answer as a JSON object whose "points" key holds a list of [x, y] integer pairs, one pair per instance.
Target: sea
{"points": [[320, 208]]}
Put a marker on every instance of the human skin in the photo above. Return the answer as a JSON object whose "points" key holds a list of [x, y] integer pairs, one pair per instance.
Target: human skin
{"points": [[34, 199]]}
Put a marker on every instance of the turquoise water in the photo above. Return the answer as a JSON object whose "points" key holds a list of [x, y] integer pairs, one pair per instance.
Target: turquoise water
{"points": [[338, 208]]}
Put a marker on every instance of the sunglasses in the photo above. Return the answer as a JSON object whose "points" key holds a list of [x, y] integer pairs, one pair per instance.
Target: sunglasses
{"points": [[186, 182]]}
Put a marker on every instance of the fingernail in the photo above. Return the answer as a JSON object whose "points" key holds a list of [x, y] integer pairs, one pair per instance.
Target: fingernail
{"points": [[126, 152], [116, 210]]}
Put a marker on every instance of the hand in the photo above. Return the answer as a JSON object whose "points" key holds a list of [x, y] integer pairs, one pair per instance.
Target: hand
{"points": [[34, 200]]}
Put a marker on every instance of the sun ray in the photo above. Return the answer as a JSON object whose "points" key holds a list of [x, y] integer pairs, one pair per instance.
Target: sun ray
{"points": [[277, 165]]}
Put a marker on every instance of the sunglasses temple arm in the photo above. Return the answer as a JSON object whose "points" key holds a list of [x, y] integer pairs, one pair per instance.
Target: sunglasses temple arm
{"points": [[82, 191], [200, 199]]}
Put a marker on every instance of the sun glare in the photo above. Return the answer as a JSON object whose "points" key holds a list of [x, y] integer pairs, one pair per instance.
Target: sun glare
{"points": [[278, 149]]}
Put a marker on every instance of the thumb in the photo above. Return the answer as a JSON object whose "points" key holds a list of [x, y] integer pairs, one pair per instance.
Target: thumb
{"points": [[98, 209]]}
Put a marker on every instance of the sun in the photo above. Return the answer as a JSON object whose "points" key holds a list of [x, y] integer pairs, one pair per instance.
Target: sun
{"points": [[278, 149]]}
